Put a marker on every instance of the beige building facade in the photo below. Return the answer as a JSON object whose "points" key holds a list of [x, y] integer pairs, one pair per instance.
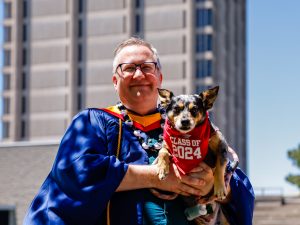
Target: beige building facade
{"points": [[57, 60]]}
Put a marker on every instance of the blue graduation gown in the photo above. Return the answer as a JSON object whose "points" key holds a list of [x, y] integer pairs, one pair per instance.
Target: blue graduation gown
{"points": [[86, 174]]}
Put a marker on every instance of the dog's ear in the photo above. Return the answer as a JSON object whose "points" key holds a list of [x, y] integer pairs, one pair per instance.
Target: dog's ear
{"points": [[165, 97], [209, 96]]}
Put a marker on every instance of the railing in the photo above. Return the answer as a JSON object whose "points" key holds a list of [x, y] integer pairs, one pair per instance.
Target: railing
{"points": [[269, 194]]}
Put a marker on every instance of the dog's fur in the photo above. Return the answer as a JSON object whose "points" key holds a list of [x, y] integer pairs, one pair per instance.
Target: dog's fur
{"points": [[185, 112]]}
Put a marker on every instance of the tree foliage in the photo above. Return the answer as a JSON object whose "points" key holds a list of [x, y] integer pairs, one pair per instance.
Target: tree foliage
{"points": [[294, 156]]}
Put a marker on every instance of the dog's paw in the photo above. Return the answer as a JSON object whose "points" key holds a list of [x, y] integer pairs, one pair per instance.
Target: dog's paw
{"points": [[163, 172], [220, 192]]}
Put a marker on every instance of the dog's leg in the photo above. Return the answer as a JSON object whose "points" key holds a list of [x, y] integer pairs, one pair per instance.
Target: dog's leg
{"points": [[163, 162], [218, 144], [220, 189]]}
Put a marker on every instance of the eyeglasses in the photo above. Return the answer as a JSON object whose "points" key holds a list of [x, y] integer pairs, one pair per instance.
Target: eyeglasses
{"points": [[129, 69]]}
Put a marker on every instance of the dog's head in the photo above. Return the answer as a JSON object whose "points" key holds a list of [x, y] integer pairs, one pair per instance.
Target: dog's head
{"points": [[185, 112]]}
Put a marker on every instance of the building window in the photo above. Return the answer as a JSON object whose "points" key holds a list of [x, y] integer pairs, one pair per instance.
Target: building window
{"points": [[203, 17], [7, 58], [204, 42], [24, 9], [4, 217], [184, 19], [79, 78], [139, 11], [24, 81], [209, 67], [6, 106], [80, 6], [137, 4], [5, 131], [79, 53], [137, 23], [7, 10], [203, 68], [23, 105], [24, 32], [7, 34], [79, 101], [24, 57], [80, 28], [7, 215], [6, 82], [183, 44], [183, 69], [23, 129]]}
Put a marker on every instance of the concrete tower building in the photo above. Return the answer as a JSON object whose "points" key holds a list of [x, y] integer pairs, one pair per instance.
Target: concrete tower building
{"points": [[58, 60]]}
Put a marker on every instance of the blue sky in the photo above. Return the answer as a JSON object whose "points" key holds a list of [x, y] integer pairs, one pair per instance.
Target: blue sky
{"points": [[273, 90], [273, 36]]}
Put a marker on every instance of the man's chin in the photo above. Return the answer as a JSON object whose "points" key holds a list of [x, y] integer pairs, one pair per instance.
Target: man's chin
{"points": [[142, 92]]}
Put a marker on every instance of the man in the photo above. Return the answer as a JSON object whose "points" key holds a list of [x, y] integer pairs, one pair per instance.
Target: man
{"points": [[101, 173]]}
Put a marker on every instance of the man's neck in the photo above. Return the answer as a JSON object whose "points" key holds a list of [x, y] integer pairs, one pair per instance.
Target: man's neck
{"points": [[141, 109]]}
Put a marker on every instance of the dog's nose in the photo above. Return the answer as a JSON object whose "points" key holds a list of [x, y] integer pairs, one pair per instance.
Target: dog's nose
{"points": [[185, 122]]}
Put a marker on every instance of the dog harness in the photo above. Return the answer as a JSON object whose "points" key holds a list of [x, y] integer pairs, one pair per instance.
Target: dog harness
{"points": [[188, 149]]}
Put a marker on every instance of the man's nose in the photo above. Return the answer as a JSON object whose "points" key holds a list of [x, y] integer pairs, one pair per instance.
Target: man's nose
{"points": [[138, 72]]}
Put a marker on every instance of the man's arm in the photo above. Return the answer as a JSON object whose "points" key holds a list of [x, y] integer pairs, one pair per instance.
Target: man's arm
{"points": [[145, 176]]}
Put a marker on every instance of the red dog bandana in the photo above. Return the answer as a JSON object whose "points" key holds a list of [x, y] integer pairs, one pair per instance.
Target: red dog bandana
{"points": [[189, 149]]}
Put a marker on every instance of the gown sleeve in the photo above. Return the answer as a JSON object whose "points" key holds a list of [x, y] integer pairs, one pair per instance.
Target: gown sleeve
{"points": [[84, 176], [240, 209]]}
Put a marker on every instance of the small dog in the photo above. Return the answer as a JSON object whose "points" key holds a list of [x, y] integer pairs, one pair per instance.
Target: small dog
{"points": [[189, 136]]}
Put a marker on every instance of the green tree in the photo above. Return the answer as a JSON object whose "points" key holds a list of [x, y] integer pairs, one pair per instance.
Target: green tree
{"points": [[294, 156]]}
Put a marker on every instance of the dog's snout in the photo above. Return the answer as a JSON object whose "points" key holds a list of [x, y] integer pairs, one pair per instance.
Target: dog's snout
{"points": [[185, 122]]}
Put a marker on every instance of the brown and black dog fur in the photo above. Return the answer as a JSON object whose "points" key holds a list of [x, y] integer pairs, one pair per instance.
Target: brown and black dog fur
{"points": [[185, 112]]}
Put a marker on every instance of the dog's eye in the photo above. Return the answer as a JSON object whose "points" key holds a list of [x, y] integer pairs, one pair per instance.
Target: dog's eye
{"points": [[176, 109], [194, 111]]}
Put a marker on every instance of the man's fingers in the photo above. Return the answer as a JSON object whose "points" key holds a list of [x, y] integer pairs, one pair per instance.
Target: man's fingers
{"points": [[177, 173], [197, 169], [205, 166], [193, 181], [201, 168], [192, 187]]}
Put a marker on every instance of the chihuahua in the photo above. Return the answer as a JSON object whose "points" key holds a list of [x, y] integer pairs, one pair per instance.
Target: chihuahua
{"points": [[189, 137]]}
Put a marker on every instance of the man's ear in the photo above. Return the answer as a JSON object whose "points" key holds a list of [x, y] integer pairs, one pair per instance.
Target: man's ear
{"points": [[165, 97], [209, 96], [115, 81]]}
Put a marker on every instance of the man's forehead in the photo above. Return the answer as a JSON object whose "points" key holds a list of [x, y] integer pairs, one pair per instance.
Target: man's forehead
{"points": [[135, 50], [135, 54]]}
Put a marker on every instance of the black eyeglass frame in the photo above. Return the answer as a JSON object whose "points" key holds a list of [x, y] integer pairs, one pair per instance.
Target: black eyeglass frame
{"points": [[136, 66]]}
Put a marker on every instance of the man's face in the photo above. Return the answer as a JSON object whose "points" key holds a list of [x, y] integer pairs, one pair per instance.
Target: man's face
{"points": [[140, 87]]}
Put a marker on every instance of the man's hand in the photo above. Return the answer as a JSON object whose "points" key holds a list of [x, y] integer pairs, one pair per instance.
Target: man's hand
{"points": [[198, 182], [204, 172], [175, 182], [145, 176], [205, 176]]}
